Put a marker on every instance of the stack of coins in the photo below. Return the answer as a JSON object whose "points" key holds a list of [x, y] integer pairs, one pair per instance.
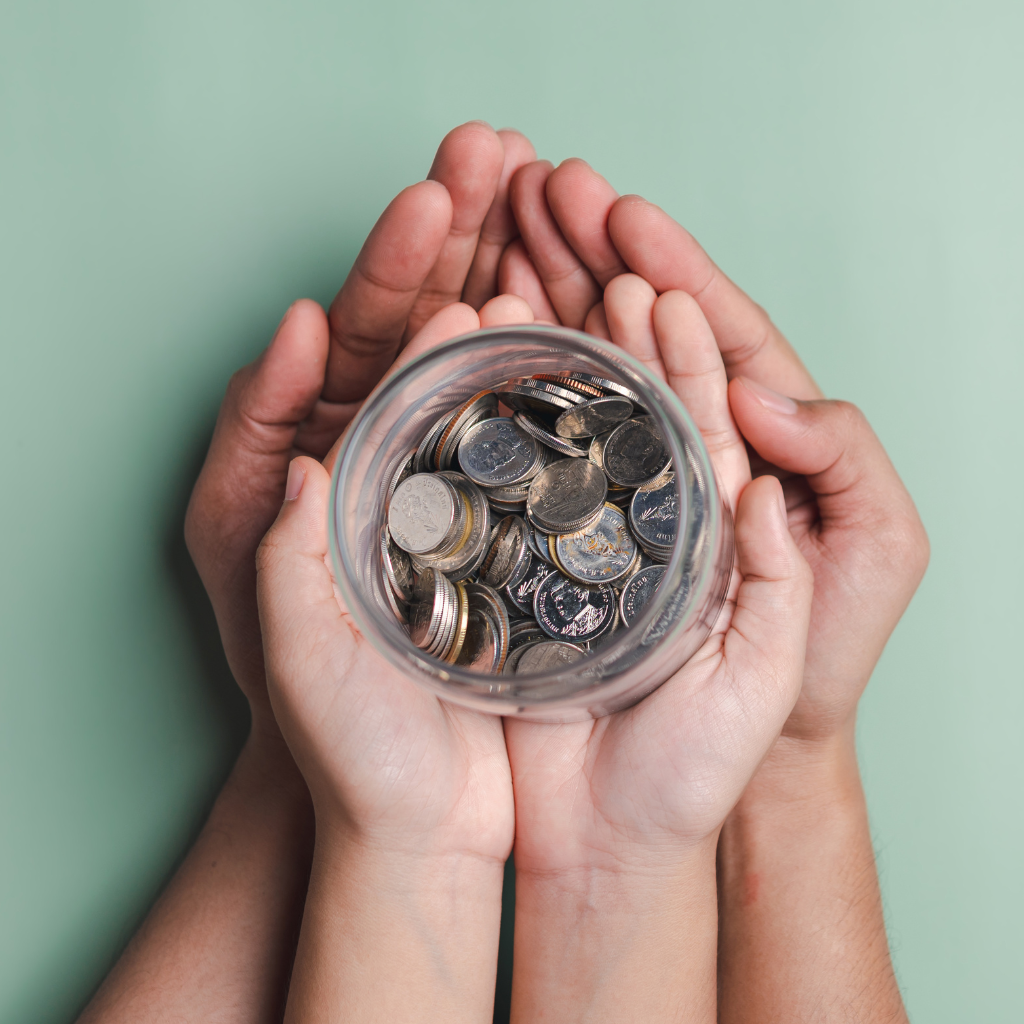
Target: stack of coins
{"points": [[516, 544]]}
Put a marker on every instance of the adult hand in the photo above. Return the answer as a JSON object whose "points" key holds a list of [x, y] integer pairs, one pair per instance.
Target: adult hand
{"points": [[608, 813], [852, 517], [437, 239], [413, 796], [801, 932]]}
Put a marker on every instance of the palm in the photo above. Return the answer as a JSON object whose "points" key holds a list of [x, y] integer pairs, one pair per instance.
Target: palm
{"points": [[669, 768], [400, 758]]}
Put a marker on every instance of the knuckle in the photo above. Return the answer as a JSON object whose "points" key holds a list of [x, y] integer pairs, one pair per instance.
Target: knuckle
{"points": [[269, 552]]}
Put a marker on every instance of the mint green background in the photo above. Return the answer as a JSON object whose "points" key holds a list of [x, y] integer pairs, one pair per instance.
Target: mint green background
{"points": [[174, 174]]}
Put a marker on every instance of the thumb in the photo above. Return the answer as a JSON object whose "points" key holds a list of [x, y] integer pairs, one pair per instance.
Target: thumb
{"points": [[299, 612], [833, 446], [767, 636]]}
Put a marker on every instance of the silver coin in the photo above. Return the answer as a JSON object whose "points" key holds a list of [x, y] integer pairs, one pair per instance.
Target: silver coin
{"points": [[512, 661], [521, 592], [398, 608], [563, 380], [425, 615], [423, 460], [481, 406], [567, 610], [422, 511], [596, 451], [524, 398], [549, 388], [507, 550], [635, 453], [538, 541], [496, 452], [602, 553], [638, 591], [654, 516], [610, 386], [548, 656], [512, 494], [507, 508], [566, 496], [400, 475], [524, 631], [534, 426], [397, 566], [446, 627], [592, 418], [487, 632], [599, 643]]}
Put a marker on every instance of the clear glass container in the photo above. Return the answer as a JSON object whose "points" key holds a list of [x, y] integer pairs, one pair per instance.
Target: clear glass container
{"points": [[634, 661]]}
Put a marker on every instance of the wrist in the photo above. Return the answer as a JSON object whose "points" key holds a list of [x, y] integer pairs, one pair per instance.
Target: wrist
{"points": [[428, 923], [805, 777], [633, 942]]}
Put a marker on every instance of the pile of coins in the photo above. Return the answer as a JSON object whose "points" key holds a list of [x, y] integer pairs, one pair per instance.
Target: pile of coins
{"points": [[517, 543]]}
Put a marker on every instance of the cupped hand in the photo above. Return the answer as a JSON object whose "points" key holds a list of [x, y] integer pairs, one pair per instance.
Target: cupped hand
{"points": [[849, 512], [664, 774], [383, 758], [438, 240]]}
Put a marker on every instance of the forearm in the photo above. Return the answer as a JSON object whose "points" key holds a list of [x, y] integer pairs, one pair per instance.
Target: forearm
{"points": [[218, 944], [396, 936], [802, 935], [617, 945]]}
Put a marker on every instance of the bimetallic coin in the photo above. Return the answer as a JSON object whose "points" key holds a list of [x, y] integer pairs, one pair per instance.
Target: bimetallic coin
{"points": [[567, 610], [496, 452], [464, 560], [592, 418], [635, 453], [548, 656], [654, 516], [422, 512], [462, 625], [534, 426], [507, 550], [521, 592], [397, 566], [566, 496], [602, 552], [638, 591]]}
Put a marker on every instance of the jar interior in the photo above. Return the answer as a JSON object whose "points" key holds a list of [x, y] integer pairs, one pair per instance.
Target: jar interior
{"points": [[394, 420]]}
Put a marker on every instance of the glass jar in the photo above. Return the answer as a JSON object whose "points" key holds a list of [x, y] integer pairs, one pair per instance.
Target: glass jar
{"points": [[634, 661]]}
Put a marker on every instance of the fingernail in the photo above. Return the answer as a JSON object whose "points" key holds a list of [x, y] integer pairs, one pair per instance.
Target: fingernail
{"points": [[296, 478], [770, 399]]}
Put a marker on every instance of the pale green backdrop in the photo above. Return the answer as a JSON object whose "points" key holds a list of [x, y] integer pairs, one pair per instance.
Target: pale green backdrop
{"points": [[173, 174]]}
